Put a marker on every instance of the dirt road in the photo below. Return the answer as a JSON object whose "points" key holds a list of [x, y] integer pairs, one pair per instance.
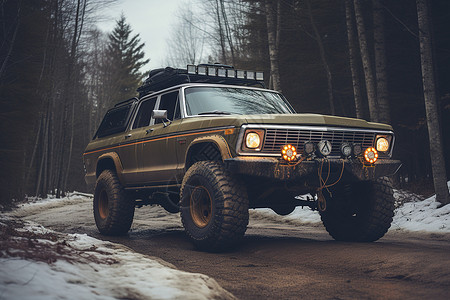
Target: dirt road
{"points": [[280, 260]]}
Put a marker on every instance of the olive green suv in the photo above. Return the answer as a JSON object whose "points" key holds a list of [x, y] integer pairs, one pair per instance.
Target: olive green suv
{"points": [[211, 142]]}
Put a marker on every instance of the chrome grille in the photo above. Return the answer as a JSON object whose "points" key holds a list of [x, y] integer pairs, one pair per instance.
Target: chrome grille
{"points": [[278, 137]]}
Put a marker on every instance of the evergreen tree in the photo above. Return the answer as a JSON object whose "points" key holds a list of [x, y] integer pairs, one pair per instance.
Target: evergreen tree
{"points": [[125, 59]]}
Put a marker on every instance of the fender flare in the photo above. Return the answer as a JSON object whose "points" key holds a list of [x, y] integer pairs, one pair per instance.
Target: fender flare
{"points": [[116, 161], [218, 140]]}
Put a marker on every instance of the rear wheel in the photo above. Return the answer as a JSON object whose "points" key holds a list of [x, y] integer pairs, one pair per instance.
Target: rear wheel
{"points": [[113, 209], [359, 211], [214, 206]]}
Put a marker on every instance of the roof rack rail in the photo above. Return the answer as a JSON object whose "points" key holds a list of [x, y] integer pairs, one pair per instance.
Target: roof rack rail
{"points": [[163, 78], [126, 101]]}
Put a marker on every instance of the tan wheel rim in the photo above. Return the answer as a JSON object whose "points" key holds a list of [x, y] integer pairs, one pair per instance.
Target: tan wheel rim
{"points": [[200, 206], [103, 210]]}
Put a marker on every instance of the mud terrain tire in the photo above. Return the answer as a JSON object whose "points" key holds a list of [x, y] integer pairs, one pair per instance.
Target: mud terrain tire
{"points": [[214, 207], [359, 212], [113, 209]]}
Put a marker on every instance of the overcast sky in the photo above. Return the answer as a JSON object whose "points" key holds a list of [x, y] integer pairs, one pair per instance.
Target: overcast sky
{"points": [[152, 19]]}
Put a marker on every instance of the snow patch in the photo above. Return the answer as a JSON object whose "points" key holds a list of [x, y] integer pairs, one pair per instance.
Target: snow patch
{"points": [[423, 216], [102, 270]]}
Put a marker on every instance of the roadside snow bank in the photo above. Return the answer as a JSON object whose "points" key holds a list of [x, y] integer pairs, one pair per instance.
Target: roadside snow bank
{"points": [[412, 216], [81, 267], [423, 216]]}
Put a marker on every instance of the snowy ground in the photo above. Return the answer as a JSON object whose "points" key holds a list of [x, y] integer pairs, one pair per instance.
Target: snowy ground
{"points": [[36, 263], [411, 216]]}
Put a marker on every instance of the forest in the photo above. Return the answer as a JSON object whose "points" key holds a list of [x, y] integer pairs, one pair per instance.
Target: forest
{"points": [[379, 60]]}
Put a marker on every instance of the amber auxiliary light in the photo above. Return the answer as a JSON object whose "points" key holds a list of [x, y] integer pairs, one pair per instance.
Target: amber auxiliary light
{"points": [[371, 155], [289, 153]]}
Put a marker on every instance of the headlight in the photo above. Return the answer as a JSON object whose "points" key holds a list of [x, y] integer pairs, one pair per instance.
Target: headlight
{"points": [[253, 139], [383, 143]]}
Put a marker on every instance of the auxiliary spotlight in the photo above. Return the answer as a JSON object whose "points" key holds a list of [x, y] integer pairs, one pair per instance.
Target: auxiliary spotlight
{"points": [[289, 153], [371, 155]]}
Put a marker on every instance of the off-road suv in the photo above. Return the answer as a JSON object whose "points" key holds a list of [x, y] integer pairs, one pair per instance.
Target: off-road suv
{"points": [[211, 142]]}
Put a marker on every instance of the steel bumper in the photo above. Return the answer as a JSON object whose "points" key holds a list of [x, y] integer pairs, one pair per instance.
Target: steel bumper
{"points": [[276, 169]]}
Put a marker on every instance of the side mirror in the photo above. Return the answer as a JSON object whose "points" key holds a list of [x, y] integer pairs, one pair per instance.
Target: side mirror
{"points": [[159, 114]]}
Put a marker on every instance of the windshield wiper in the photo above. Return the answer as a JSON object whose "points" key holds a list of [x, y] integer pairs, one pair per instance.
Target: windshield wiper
{"points": [[215, 112]]}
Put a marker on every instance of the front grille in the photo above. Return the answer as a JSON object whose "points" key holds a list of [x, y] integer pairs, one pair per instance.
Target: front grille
{"points": [[276, 138]]}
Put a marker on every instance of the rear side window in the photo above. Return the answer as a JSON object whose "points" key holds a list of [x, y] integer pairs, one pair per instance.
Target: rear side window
{"points": [[115, 121]]}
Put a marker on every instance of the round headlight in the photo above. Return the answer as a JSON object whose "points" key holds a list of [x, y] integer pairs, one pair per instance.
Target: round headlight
{"points": [[382, 144], [252, 140]]}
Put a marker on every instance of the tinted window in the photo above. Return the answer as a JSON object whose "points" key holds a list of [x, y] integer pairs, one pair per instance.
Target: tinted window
{"points": [[144, 113], [115, 121], [169, 102], [234, 101]]}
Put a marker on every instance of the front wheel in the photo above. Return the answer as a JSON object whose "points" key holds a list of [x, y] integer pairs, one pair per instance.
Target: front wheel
{"points": [[359, 212], [214, 206], [113, 209]]}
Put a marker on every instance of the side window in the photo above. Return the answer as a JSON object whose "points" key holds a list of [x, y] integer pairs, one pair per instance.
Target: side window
{"points": [[170, 103], [144, 113], [115, 121]]}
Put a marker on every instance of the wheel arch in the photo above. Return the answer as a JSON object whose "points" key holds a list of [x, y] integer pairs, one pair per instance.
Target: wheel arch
{"points": [[110, 161], [213, 147]]}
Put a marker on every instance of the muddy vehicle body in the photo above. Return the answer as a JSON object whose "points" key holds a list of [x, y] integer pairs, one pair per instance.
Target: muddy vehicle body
{"points": [[211, 143]]}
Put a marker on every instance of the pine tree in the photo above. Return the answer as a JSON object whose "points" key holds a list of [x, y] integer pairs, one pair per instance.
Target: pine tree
{"points": [[125, 59]]}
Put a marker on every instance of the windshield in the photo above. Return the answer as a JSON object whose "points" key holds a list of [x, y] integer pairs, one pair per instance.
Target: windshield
{"points": [[230, 100]]}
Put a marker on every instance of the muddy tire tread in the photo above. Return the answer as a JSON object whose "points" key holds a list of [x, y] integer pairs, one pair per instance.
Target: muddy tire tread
{"points": [[232, 214], [379, 216], [121, 207]]}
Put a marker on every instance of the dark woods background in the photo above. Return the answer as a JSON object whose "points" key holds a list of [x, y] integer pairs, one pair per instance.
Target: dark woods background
{"points": [[59, 74]]}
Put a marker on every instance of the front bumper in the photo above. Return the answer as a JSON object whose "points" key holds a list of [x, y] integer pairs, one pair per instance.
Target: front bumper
{"points": [[308, 170]]}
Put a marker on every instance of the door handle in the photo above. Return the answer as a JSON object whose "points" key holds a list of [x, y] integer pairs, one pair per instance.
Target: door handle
{"points": [[149, 130], [128, 136]]}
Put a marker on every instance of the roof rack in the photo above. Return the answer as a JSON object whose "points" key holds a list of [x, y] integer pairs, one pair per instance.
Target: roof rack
{"points": [[160, 79]]}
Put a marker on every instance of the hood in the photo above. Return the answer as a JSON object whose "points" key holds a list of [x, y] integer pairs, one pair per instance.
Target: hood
{"points": [[315, 119]]}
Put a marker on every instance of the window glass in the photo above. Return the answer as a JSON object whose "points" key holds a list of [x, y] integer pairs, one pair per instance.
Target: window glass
{"points": [[144, 113], [225, 100], [115, 121], [169, 102]]}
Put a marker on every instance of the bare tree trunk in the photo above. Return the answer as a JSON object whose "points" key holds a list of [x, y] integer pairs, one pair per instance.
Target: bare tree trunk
{"points": [[40, 191], [323, 57], [431, 106], [70, 145], [367, 66], [380, 63], [11, 45], [352, 53], [33, 154], [221, 33], [227, 31], [273, 50]]}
